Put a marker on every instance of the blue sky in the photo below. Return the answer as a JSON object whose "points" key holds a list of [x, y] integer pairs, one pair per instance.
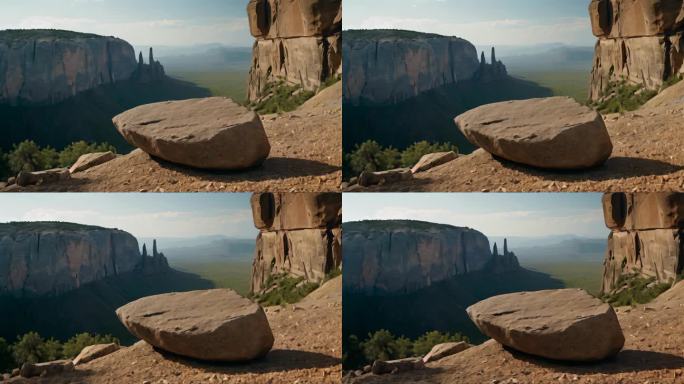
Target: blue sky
{"points": [[140, 22], [143, 215], [507, 214], [482, 22]]}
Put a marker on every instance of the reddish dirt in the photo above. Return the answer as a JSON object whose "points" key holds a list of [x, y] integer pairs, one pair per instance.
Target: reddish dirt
{"points": [[653, 353], [308, 349], [306, 156], [648, 156]]}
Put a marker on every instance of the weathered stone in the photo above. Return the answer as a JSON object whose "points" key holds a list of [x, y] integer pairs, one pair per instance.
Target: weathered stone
{"points": [[390, 70], [287, 211], [550, 133], [396, 366], [42, 177], [566, 324], [635, 18], [212, 325], [211, 133], [90, 160], [432, 160], [389, 257], [93, 352], [299, 18], [441, 351], [46, 369], [368, 179], [640, 211], [48, 260], [12, 180], [48, 69]]}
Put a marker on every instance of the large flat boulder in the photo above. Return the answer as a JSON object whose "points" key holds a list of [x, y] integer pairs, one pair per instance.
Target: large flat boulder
{"points": [[565, 324], [210, 133], [550, 133], [211, 325]]}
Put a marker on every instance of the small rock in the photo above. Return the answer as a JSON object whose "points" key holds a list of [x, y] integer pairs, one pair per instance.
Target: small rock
{"points": [[45, 369], [91, 160], [441, 351], [11, 181], [395, 366], [42, 177], [93, 352], [432, 160], [368, 179]]}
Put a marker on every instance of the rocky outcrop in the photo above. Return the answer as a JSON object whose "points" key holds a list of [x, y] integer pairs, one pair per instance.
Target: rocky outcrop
{"points": [[395, 257], [299, 235], [647, 236], [565, 324], [549, 133], [297, 42], [52, 258], [45, 66], [386, 67], [213, 325], [639, 40], [210, 133]]}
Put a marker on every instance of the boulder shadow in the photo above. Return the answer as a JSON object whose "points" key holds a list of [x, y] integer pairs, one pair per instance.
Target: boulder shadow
{"points": [[626, 361], [277, 360], [273, 168], [614, 168]]}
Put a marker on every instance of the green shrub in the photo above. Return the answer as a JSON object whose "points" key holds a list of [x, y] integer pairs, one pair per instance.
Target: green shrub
{"points": [[284, 289], [29, 349], [28, 156], [620, 96], [69, 155], [75, 345], [281, 98], [633, 289]]}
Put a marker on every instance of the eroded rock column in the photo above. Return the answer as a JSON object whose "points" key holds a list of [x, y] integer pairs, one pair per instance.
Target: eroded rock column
{"points": [[300, 235], [646, 237]]}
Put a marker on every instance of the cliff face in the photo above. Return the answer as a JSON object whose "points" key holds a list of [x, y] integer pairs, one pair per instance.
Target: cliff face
{"points": [[50, 66], [392, 257], [297, 41], [52, 258], [647, 236], [300, 235], [639, 40], [383, 67]]}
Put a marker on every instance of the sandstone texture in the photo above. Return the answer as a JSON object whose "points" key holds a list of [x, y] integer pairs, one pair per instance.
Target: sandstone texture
{"points": [[550, 133], [395, 366], [93, 352], [299, 235], [42, 66], [386, 67], [567, 324], [211, 133], [384, 177], [90, 160], [639, 40], [386, 257], [441, 351], [213, 325], [433, 160], [52, 258], [297, 42], [46, 369], [646, 238], [42, 177]]}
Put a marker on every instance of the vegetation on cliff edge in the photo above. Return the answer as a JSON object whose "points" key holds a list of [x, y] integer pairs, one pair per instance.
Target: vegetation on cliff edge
{"points": [[633, 289], [383, 345], [280, 97], [621, 96], [282, 289], [33, 348]]}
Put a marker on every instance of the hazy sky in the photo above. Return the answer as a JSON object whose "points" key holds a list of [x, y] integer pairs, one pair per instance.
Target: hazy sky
{"points": [[140, 22], [508, 214], [482, 22], [143, 215]]}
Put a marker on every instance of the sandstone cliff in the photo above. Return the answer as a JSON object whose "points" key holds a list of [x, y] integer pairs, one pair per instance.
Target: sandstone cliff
{"points": [[46, 66], [392, 257], [297, 41], [639, 40], [300, 235], [39, 258], [387, 66], [646, 238]]}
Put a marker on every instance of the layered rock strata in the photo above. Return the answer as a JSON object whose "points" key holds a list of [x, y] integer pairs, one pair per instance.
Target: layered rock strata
{"points": [[52, 258], [297, 42], [387, 67], [44, 66], [394, 257], [646, 238], [300, 235], [639, 41]]}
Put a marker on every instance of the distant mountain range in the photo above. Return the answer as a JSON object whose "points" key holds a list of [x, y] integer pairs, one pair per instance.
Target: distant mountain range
{"points": [[206, 248], [555, 248], [202, 58]]}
